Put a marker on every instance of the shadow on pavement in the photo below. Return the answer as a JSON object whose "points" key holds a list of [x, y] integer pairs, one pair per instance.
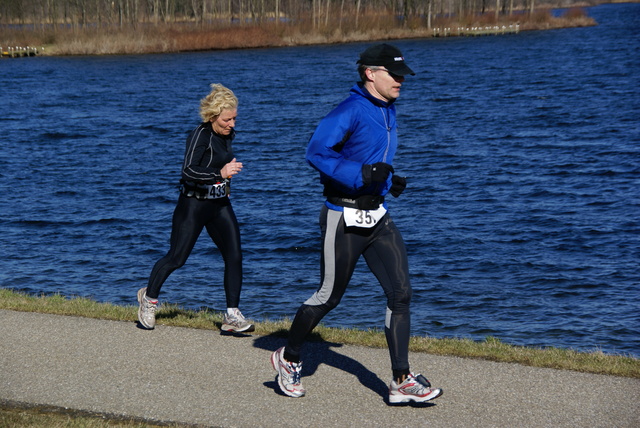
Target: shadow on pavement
{"points": [[316, 352]]}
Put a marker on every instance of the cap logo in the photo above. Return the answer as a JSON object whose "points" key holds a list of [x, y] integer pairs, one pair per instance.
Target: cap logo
{"points": [[398, 58]]}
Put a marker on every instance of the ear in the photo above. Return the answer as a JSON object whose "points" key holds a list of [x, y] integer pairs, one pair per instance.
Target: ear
{"points": [[370, 74]]}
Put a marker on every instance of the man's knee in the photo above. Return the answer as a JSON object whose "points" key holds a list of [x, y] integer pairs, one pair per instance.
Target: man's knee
{"points": [[401, 300]]}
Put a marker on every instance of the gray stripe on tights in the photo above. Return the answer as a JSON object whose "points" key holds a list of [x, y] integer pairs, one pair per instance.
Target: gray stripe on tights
{"points": [[324, 292]]}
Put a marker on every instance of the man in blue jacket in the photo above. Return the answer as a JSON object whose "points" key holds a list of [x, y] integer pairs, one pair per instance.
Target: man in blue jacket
{"points": [[352, 149]]}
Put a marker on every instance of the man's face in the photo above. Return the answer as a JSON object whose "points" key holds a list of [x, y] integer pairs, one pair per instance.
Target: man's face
{"points": [[384, 85]]}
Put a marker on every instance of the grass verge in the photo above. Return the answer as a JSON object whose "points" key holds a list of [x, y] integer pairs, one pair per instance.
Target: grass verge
{"points": [[16, 415]]}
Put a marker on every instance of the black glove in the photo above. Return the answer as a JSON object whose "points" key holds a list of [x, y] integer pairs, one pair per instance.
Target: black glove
{"points": [[398, 185], [376, 173]]}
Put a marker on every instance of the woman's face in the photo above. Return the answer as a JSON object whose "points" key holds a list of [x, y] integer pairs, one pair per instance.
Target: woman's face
{"points": [[225, 122]]}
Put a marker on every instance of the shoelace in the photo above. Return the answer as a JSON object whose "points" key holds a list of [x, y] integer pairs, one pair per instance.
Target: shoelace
{"points": [[420, 388], [295, 372], [237, 317], [151, 307], [417, 386], [233, 320]]}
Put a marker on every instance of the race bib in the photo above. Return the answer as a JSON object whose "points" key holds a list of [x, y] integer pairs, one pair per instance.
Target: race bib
{"points": [[363, 218], [216, 191]]}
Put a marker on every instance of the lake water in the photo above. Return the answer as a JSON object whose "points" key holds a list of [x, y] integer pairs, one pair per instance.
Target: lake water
{"points": [[521, 216]]}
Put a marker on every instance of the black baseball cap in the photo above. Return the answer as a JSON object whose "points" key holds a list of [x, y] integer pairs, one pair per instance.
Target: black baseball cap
{"points": [[386, 56]]}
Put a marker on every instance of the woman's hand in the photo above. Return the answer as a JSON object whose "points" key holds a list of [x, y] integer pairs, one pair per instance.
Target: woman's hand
{"points": [[231, 169]]}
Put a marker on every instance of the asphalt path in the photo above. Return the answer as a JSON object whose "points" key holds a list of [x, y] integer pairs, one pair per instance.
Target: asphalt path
{"points": [[207, 378]]}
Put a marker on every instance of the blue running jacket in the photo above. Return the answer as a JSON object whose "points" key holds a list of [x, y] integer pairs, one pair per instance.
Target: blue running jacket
{"points": [[360, 130]]}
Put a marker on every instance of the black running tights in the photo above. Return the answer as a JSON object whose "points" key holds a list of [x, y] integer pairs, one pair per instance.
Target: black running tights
{"points": [[189, 218], [385, 253]]}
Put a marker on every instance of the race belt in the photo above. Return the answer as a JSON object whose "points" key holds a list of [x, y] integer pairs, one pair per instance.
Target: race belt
{"points": [[362, 211], [205, 191]]}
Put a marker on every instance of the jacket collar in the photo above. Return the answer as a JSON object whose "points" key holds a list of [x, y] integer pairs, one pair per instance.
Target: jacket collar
{"points": [[359, 89]]}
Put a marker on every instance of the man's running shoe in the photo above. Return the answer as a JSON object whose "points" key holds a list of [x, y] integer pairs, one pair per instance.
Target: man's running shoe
{"points": [[288, 374], [415, 388], [147, 309], [236, 323]]}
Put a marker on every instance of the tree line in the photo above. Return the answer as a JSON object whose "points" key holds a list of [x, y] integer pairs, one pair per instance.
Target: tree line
{"points": [[79, 14]]}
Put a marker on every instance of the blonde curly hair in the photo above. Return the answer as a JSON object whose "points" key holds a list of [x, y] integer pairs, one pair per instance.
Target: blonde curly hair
{"points": [[220, 98]]}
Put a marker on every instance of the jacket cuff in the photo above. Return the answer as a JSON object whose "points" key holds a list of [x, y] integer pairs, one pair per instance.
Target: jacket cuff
{"points": [[366, 174]]}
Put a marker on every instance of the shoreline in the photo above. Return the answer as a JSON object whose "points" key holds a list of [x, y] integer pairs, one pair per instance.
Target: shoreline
{"points": [[189, 37]]}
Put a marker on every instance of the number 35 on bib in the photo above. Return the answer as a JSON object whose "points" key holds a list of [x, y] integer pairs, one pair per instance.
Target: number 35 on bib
{"points": [[363, 218]]}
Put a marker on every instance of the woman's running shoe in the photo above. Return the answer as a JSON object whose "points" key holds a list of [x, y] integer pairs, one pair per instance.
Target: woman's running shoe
{"points": [[236, 323], [147, 309]]}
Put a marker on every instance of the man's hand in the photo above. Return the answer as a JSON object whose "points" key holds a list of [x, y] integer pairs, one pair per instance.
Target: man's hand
{"points": [[398, 184]]}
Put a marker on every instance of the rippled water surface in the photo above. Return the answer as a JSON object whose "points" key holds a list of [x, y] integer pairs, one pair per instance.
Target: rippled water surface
{"points": [[521, 215]]}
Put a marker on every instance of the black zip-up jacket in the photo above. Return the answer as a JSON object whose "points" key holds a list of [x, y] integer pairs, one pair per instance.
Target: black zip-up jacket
{"points": [[205, 155]]}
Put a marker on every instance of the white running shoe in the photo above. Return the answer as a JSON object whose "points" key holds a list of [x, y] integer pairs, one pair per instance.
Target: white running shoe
{"points": [[288, 374], [147, 309], [414, 388], [236, 323]]}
